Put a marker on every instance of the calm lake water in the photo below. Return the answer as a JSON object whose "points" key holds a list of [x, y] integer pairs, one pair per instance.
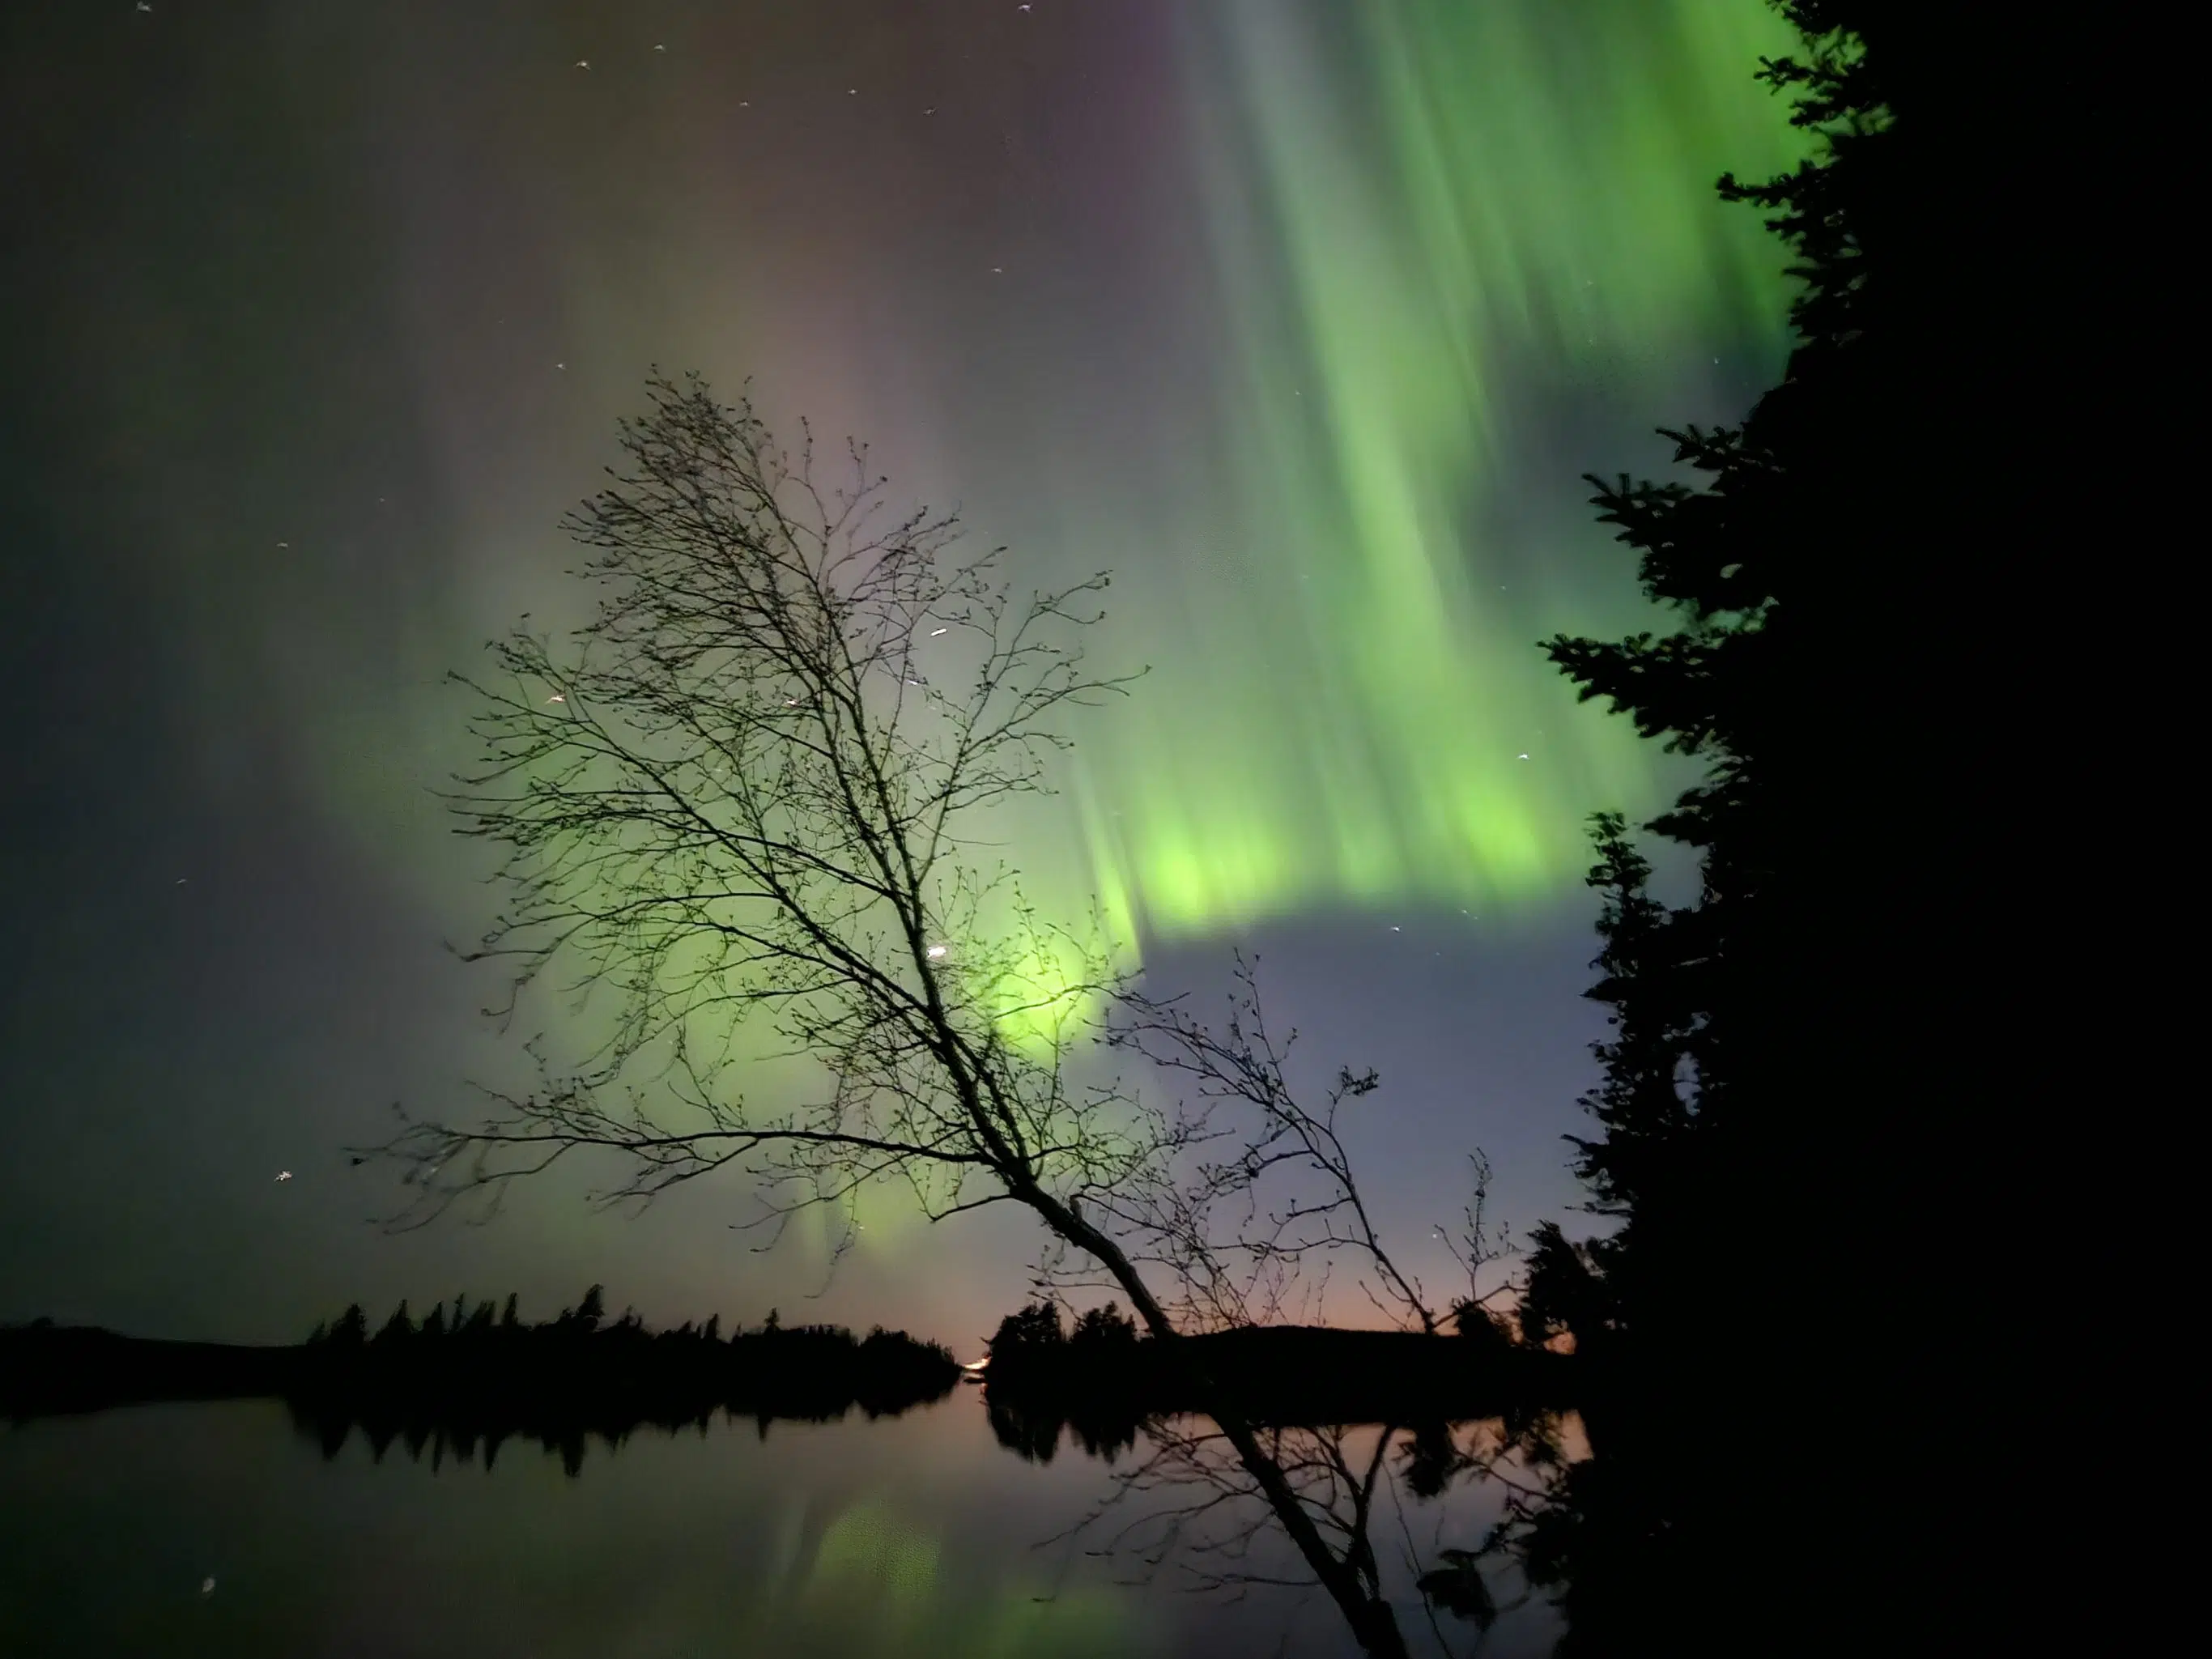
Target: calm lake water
{"points": [[918, 1534]]}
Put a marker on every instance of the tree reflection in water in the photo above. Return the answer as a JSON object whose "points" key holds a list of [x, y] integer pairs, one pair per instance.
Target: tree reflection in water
{"points": [[1186, 1502]]}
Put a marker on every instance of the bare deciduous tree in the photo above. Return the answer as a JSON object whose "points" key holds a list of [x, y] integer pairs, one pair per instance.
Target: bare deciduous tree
{"points": [[744, 800], [736, 808], [1263, 1186]]}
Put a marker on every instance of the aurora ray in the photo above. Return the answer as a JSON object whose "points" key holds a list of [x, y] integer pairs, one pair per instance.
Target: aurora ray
{"points": [[1428, 220]]}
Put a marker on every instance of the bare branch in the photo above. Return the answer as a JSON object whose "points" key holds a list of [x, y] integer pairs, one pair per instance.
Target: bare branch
{"points": [[733, 811]]}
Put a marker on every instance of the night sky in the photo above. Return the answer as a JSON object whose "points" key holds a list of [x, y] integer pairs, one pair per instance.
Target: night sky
{"points": [[1303, 318]]}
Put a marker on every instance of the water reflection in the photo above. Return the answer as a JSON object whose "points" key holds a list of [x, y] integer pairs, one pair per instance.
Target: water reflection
{"points": [[452, 1386], [1269, 1456], [895, 1536], [1430, 1521]]}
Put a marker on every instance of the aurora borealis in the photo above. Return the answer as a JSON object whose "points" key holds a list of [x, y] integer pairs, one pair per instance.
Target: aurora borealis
{"points": [[1426, 222], [1303, 318]]}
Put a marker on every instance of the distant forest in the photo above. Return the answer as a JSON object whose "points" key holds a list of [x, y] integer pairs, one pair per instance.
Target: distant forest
{"points": [[473, 1377]]}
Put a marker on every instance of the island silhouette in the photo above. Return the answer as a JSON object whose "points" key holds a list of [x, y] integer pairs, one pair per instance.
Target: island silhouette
{"points": [[466, 1378], [1102, 1380], [458, 1382]]}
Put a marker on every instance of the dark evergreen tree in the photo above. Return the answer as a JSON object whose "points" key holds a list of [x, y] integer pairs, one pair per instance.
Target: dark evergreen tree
{"points": [[1786, 1089], [1815, 623], [1035, 1327], [399, 1327], [593, 1308], [1104, 1328], [1566, 1292]]}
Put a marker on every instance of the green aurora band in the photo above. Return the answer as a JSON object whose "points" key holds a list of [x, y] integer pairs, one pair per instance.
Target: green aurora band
{"points": [[1435, 231], [1428, 216]]}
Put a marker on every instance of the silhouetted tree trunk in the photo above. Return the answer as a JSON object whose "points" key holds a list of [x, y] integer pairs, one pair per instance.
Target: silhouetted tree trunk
{"points": [[739, 800]]}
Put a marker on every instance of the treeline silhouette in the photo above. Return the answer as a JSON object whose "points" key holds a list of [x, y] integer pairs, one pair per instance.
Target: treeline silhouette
{"points": [[470, 1379], [1102, 1380], [1788, 1096]]}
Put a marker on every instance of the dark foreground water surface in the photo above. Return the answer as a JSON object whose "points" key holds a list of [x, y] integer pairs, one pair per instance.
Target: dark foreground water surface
{"points": [[222, 1529]]}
